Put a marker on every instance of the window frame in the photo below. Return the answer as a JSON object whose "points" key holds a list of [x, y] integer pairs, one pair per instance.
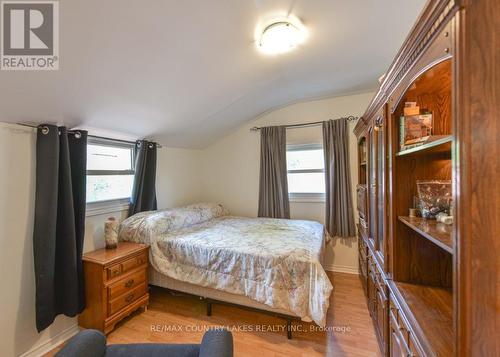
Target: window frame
{"points": [[117, 204], [305, 196]]}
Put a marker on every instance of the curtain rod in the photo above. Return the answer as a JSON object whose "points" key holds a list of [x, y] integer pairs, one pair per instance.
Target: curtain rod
{"points": [[90, 136], [305, 125]]}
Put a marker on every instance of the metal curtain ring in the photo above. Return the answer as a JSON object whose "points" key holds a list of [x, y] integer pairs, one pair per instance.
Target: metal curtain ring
{"points": [[78, 135], [45, 130]]}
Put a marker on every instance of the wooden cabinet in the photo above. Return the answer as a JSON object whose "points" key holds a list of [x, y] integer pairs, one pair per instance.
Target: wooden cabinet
{"points": [[370, 193], [363, 262], [398, 345], [374, 282], [415, 351], [116, 284], [399, 333], [382, 316], [402, 340], [372, 186], [442, 302], [371, 228], [361, 194], [422, 259], [372, 292], [362, 191], [381, 150], [377, 295], [377, 179]]}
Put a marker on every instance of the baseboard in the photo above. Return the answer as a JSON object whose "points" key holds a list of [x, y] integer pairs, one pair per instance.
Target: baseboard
{"points": [[52, 342], [342, 269]]}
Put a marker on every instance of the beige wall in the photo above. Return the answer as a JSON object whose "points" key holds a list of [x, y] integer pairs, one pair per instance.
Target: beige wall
{"points": [[178, 184], [231, 166]]}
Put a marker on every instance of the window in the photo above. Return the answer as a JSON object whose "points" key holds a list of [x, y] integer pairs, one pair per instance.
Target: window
{"points": [[110, 170], [306, 172]]}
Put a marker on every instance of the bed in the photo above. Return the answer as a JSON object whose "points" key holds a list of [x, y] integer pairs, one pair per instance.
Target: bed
{"points": [[267, 264]]}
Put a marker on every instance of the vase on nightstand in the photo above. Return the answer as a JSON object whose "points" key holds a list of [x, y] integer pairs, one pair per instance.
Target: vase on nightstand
{"points": [[111, 233]]}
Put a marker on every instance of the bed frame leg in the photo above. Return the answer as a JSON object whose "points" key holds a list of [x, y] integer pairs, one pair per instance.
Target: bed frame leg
{"points": [[289, 328], [209, 308]]}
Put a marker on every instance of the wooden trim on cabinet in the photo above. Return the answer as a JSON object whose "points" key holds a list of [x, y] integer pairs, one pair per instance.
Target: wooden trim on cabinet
{"points": [[477, 171], [434, 17]]}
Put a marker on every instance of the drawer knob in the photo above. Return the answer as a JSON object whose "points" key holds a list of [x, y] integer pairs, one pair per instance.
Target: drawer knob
{"points": [[129, 298], [129, 283]]}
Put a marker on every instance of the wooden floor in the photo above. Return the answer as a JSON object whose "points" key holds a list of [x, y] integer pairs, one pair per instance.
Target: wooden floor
{"points": [[176, 319]]}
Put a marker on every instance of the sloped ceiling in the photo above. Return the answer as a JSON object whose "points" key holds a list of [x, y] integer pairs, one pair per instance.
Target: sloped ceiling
{"points": [[188, 72]]}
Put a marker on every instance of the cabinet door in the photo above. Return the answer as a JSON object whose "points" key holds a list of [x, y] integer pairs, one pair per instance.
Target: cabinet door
{"points": [[398, 347], [372, 294], [372, 185], [361, 201], [414, 350], [363, 264], [381, 210], [381, 317], [395, 347]]}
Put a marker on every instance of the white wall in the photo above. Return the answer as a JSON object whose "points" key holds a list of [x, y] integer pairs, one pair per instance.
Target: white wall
{"points": [[17, 191], [178, 183], [178, 177], [231, 166]]}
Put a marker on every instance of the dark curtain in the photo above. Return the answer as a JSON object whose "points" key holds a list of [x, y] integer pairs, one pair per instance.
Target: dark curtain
{"points": [[61, 164], [144, 191], [339, 206], [273, 182]]}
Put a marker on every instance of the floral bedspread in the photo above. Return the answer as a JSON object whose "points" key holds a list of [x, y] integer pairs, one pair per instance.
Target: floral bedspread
{"points": [[276, 262]]}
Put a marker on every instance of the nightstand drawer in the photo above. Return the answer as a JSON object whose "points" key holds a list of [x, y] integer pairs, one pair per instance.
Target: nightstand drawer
{"points": [[126, 284], [114, 271], [134, 262], [122, 301], [126, 265]]}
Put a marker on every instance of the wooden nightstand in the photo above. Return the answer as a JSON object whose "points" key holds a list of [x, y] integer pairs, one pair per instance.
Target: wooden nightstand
{"points": [[116, 284]]}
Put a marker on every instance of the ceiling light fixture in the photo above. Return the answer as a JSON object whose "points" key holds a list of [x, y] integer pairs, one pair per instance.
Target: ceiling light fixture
{"points": [[281, 36]]}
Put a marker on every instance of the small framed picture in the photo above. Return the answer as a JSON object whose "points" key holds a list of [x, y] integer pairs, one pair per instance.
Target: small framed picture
{"points": [[417, 128]]}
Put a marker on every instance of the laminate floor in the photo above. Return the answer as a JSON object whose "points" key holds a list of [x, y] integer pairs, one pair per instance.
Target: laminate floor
{"points": [[181, 319]]}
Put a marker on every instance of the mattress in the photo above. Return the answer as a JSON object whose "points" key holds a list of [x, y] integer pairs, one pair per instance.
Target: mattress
{"points": [[271, 262]]}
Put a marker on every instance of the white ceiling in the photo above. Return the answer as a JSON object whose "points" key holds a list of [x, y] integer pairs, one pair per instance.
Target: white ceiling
{"points": [[188, 72]]}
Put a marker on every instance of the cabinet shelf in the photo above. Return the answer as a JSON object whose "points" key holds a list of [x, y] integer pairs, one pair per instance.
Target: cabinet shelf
{"points": [[437, 232], [432, 309], [435, 144]]}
